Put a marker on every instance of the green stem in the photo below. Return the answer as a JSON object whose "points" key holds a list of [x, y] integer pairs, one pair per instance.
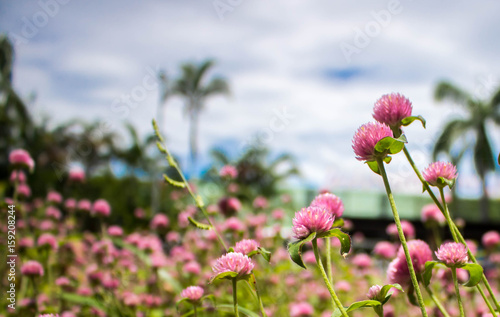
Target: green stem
{"points": [[402, 238], [235, 298], [379, 310], [457, 232], [329, 263], [325, 278], [436, 301], [259, 298], [447, 214], [195, 310], [457, 290]]}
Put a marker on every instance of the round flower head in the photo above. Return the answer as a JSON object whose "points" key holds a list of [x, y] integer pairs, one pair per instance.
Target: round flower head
{"points": [[76, 175], [193, 293], [54, 197], [32, 268], [101, 208], [228, 171], [17, 176], [229, 206], [420, 252], [246, 246], [159, 221], [84, 205], [329, 202], [391, 109], [20, 158], [233, 262], [385, 250], [452, 254], [491, 239], [365, 139], [431, 213], [408, 230], [24, 190], [435, 170], [309, 220], [115, 231], [260, 202], [47, 240], [373, 292], [302, 309]]}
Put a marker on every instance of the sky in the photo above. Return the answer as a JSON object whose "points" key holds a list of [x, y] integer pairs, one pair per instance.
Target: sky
{"points": [[304, 75]]}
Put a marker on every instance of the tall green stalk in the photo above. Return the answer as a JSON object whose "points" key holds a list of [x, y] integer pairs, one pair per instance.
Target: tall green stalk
{"points": [[436, 301], [325, 278], [329, 272], [402, 238], [457, 232], [457, 290], [235, 297]]}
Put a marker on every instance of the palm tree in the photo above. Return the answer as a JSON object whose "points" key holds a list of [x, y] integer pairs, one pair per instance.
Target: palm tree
{"points": [[479, 114], [192, 87]]}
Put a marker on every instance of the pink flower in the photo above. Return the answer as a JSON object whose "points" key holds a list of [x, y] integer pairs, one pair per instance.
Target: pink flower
{"points": [[391, 109], [18, 176], [491, 239], [432, 213], [63, 281], [48, 315], [173, 236], [84, 205], [408, 230], [234, 224], [256, 220], [53, 212], [373, 292], [343, 286], [70, 204], [131, 299], [76, 175], [420, 253], [435, 170], [278, 214], [309, 220], [54, 197], [233, 262], [158, 260], [193, 293], [302, 309], [47, 239], [24, 190], [26, 242], [20, 158], [329, 202], [362, 261], [228, 171], [365, 139], [309, 257], [452, 254], [192, 267], [115, 231], [229, 206], [139, 213], [260, 202], [246, 246], [385, 250], [32, 268], [159, 222], [101, 208]]}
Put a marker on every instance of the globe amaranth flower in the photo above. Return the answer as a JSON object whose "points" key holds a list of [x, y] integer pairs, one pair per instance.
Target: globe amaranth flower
{"points": [[32, 268], [101, 208], [398, 272], [491, 239], [193, 293], [391, 109], [373, 292], [452, 254], [432, 213], [20, 158], [76, 175], [435, 170], [385, 250], [311, 219], [302, 309], [329, 202], [365, 139], [406, 226], [159, 222], [233, 262], [246, 246], [228, 171]]}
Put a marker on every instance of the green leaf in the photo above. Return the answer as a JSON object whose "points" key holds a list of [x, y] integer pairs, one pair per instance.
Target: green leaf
{"points": [[252, 282], [411, 296], [387, 159], [429, 266], [338, 223], [209, 297], [265, 254], [295, 249], [385, 289], [443, 182], [221, 276], [475, 272], [173, 182], [408, 120], [391, 145], [179, 302], [83, 301], [344, 238], [373, 165], [357, 305], [199, 225]]}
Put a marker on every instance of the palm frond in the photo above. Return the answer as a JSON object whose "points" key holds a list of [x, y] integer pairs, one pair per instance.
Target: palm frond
{"points": [[451, 132], [447, 91]]}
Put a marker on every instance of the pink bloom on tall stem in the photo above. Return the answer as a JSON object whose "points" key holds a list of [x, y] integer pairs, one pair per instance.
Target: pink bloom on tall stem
{"points": [[193, 293], [408, 230], [452, 254], [84, 205], [234, 224], [229, 206], [246, 246], [302, 309], [21, 158], [329, 202], [54, 197], [228, 171], [76, 175], [233, 262], [47, 239], [309, 220], [432, 213], [366, 137], [115, 231], [18, 176], [385, 250], [260, 202], [398, 272], [373, 292], [159, 221], [70, 204], [435, 170], [32, 268], [101, 208], [391, 109], [24, 190]]}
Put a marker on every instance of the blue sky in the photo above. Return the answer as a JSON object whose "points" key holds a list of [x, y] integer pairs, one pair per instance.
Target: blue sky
{"points": [[323, 62]]}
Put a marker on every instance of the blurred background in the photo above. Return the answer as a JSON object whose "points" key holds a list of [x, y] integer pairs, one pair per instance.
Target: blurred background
{"points": [[275, 88]]}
